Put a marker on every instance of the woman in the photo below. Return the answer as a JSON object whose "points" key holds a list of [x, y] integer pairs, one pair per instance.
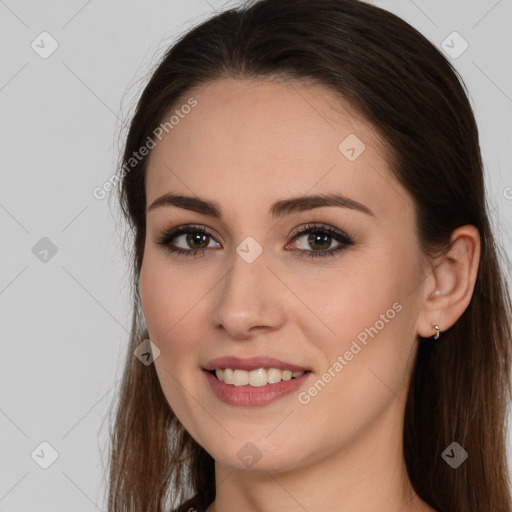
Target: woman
{"points": [[320, 318]]}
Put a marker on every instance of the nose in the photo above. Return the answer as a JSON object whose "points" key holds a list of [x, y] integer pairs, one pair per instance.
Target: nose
{"points": [[250, 299]]}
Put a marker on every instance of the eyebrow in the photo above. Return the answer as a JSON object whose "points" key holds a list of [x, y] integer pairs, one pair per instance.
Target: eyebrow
{"points": [[278, 209]]}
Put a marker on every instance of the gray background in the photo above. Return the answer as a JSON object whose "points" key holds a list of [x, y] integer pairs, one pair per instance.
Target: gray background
{"points": [[65, 320]]}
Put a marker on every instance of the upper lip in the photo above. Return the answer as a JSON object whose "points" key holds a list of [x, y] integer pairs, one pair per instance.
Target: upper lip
{"points": [[251, 363]]}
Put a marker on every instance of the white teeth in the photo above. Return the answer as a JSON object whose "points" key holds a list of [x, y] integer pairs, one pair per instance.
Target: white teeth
{"points": [[241, 378], [286, 375], [229, 376], [255, 378], [273, 375]]}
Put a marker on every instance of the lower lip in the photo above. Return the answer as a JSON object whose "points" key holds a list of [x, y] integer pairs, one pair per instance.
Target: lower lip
{"points": [[253, 396]]}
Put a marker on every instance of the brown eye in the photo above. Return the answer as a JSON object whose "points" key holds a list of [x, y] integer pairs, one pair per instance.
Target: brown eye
{"points": [[321, 237], [195, 239]]}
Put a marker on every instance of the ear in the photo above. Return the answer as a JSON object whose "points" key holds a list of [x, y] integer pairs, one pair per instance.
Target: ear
{"points": [[449, 286]]}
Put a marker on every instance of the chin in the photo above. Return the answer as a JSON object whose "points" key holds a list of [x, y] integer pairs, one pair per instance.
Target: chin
{"points": [[257, 456]]}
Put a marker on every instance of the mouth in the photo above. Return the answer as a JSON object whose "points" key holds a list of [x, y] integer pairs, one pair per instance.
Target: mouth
{"points": [[256, 387], [253, 381], [255, 378]]}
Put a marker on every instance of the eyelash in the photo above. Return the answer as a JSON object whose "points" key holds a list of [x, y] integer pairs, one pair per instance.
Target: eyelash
{"points": [[337, 235]]}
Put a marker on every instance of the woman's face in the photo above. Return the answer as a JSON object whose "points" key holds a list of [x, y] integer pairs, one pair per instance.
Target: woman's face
{"points": [[254, 290]]}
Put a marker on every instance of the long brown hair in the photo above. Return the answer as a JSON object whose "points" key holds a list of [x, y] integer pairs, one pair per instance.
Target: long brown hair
{"points": [[400, 83]]}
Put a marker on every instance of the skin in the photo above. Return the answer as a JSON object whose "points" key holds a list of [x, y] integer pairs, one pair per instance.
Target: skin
{"points": [[245, 145]]}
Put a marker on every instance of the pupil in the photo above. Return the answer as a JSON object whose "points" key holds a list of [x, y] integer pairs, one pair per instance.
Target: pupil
{"points": [[314, 239], [198, 237], [317, 237]]}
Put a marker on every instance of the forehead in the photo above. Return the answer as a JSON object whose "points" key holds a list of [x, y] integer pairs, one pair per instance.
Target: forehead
{"points": [[261, 140]]}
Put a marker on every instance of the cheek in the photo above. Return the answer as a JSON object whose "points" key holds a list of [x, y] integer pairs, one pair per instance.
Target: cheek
{"points": [[371, 319], [168, 294], [174, 301], [169, 308], [154, 300], [354, 298]]}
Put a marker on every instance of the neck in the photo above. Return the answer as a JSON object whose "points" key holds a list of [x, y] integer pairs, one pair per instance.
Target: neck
{"points": [[366, 474]]}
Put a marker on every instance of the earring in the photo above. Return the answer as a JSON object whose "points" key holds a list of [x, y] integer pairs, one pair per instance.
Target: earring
{"points": [[436, 336]]}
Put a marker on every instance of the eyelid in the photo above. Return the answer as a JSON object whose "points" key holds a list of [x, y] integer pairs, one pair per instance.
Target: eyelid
{"points": [[344, 240], [311, 226], [299, 230], [185, 228]]}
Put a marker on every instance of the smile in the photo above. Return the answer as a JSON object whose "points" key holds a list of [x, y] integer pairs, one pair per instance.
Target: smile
{"points": [[249, 395], [255, 378]]}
